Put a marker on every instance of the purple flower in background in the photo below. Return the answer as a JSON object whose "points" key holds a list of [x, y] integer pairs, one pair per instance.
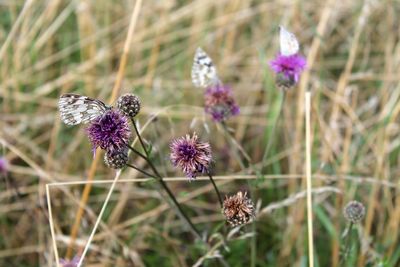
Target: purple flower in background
{"points": [[219, 102], [109, 131], [72, 263], [191, 155], [288, 69], [3, 165]]}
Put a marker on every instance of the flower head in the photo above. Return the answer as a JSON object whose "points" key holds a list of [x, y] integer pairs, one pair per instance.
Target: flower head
{"points": [[238, 209], [219, 102], [109, 131], [3, 165], [116, 159], [129, 104], [288, 68], [354, 211], [191, 155], [72, 263]]}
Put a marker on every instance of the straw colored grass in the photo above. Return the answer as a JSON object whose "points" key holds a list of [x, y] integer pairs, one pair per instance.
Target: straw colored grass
{"points": [[102, 49]]}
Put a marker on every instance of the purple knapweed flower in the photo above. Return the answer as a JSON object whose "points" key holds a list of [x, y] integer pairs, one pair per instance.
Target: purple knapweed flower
{"points": [[288, 69], [219, 102], [72, 263], [191, 155], [109, 131], [3, 165]]}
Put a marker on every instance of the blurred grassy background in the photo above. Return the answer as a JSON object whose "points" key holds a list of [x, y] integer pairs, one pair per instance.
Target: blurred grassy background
{"points": [[353, 51]]}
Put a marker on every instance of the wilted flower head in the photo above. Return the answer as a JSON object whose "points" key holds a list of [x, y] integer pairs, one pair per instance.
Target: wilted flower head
{"points": [[72, 263], [238, 209], [3, 165], [219, 102], [288, 69], [116, 159], [109, 131], [354, 211], [129, 105], [191, 155]]}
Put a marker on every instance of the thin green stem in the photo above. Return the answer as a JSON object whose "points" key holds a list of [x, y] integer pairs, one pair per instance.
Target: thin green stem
{"points": [[216, 189], [253, 245], [347, 244], [273, 132]]}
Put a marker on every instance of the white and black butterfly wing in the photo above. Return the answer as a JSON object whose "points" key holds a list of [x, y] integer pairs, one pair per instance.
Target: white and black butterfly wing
{"points": [[288, 42], [204, 72], [76, 109]]}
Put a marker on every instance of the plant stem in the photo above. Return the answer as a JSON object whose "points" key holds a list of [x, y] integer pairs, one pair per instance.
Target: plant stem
{"points": [[216, 189], [347, 244], [237, 147], [163, 184], [180, 210], [140, 170], [273, 132], [140, 137], [136, 151]]}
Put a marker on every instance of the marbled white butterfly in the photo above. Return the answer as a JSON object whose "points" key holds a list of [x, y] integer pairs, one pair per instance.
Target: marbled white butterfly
{"points": [[76, 109], [288, 42], [204, 72]]}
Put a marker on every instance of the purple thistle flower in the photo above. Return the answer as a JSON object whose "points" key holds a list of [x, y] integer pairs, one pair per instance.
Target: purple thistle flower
{"points": [[219, 102], [109, 131], [289, 66], [72, 263], [191, 155], [3, 165]]}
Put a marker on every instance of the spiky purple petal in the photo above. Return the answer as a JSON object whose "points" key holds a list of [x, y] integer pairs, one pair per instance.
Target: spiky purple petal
{"points": [[290, 66], [191, 155], [109, 131]]}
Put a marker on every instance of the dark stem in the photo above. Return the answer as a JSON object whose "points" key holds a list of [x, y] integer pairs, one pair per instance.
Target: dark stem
{"points": [[140, 137], [179, 207], [136, 151], [216, 189], [140, 170], [347, 244], [162, 182]]}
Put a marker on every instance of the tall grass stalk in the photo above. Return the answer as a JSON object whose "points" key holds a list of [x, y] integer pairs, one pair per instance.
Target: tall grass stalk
{"points": [[115, 91], [309, 181]]}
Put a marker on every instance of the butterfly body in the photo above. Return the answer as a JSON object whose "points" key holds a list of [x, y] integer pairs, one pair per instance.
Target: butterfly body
{"points": [[76, 109]]}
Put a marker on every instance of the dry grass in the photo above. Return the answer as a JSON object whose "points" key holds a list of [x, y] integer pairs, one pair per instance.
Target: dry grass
{"points": [[353, 52]]}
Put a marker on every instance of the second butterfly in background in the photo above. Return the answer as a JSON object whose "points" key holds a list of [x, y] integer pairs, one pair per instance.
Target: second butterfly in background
{"points": [[219, 102], [288, 64]]}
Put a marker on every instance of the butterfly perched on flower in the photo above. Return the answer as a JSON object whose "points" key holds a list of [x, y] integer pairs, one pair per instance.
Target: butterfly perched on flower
{"points": [[76, 109], [288, 42], [288, 64], [204, 72]]}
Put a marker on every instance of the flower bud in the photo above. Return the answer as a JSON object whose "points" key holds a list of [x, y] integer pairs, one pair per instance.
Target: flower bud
{"points": [[129, 104], [116, 159]]}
